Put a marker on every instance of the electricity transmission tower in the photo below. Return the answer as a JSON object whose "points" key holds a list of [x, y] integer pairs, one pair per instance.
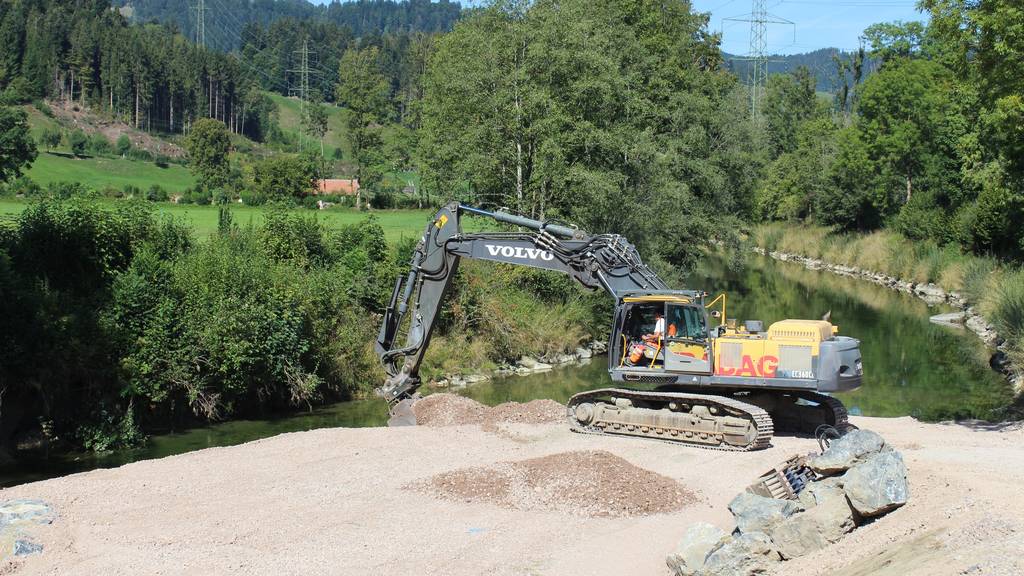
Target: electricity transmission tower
{"points": [[757, 73], [201, 23], [302, 90]]}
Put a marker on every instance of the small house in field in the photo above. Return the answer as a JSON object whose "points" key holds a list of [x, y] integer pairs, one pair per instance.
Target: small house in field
{"points": [[338, 187]]}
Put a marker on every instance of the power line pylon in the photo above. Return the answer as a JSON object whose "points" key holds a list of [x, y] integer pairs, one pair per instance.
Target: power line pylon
{"points": [[201, 23], [302, 90], [757, 73]]}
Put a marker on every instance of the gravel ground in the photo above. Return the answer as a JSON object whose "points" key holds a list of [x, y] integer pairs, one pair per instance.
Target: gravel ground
{"points": [[336, 501]]}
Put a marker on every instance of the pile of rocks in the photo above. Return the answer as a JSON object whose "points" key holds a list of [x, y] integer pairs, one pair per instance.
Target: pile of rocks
{"points": [[859, 479]]}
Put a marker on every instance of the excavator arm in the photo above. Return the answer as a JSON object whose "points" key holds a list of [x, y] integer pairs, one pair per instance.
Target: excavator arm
{"points": [[605, 261]]}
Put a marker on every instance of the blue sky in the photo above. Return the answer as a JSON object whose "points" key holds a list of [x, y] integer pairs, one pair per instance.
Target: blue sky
{"points": [[819, 23]]}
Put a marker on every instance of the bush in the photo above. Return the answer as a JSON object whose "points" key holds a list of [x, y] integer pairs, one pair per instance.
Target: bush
{"points": [[156, 193], [132, 191], [99, 145], [251, 199], [78, 142], [23, 186], [50, 138], [66, 190], [123, 146]]}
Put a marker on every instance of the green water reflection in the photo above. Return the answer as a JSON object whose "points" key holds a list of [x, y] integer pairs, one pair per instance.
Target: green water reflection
{"points": [[911, 366]]}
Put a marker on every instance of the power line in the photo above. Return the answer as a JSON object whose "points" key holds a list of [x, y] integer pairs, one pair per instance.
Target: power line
{"points": [[201, 23], [757, 74]]}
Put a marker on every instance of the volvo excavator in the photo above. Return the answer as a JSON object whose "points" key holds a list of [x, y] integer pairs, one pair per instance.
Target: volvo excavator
{"points": [[679, 376]]}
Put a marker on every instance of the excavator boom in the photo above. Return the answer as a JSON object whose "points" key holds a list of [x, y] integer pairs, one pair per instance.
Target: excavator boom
{"points": [[605, 261]]}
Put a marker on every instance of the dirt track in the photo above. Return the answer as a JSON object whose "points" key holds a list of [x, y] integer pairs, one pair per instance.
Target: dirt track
{"points": [[338, 501]]}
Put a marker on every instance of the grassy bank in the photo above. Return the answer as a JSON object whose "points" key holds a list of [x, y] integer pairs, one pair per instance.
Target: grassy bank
{"points": [[994, 288]]}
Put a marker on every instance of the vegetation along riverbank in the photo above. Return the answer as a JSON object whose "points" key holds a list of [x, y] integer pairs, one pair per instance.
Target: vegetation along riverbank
{"points": [[990, 292]]}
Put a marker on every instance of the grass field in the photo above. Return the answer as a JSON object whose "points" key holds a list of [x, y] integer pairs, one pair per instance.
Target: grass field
{"points": [[397, 224], [290, 120], [102, 172]]}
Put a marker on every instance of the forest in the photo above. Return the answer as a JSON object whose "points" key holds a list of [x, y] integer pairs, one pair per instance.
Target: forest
{"points": [[621, 117]]}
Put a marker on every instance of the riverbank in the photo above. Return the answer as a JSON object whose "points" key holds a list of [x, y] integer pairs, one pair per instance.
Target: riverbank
{"points": [[351, 501], [989, 300]]}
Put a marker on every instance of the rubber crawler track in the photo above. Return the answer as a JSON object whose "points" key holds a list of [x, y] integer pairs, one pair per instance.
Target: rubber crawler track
{"points": [[760, 418]]}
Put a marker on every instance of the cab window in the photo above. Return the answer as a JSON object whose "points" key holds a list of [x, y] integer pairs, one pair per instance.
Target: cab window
{"points": [[688, 322]]}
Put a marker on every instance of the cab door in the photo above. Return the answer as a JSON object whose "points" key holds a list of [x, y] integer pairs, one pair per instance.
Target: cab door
{"points": [[687, 346]]}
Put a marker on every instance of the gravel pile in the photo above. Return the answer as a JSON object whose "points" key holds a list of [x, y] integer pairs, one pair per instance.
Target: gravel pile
{"points": [[581, 483], [455, 410]]}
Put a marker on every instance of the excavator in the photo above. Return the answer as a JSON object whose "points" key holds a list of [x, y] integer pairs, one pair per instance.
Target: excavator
{"points": [[679, 376]]}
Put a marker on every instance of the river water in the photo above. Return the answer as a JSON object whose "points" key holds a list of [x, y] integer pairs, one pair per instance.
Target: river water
{"points": [[911, 366]]}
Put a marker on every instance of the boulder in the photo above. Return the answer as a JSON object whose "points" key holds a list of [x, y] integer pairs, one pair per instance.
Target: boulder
{"points": [[845, 452], [742, 555], [821, 490], [824, 523], [699, 540], [583, 353], [475, 378], [755, 513], [878, 484], [930, 293], [598, 347], [533, 364]]}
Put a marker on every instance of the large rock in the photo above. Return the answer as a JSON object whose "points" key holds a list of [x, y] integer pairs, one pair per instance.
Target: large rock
{"points": [[824, 523], [821, 490], [533, 364], [755, 513], [845, 452], [699, 540], [583, 352], [877, 485], [742, 555]]}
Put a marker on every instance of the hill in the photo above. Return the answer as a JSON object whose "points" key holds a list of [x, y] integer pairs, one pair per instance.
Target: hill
{"points": [[820, 62], [362, 17]]}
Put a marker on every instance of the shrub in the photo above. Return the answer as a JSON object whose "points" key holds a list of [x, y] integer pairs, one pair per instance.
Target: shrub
{"points": [[78, 142], [66, 190], [24, 186], [123, 146], [132, 191], [156, 193], [50, 138], [99, 145]]}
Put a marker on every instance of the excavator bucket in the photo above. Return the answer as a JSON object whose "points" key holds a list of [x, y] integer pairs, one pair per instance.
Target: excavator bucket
{"points": [[402, 414]]}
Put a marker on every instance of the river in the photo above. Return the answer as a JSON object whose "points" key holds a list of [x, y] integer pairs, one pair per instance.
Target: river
{"points": [[911, 366]]}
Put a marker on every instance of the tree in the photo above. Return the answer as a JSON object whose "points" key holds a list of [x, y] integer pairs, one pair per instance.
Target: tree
{"points": [[50, 138], [789, 100], [598, 113], [908, 121], [208, 144], [363, 89], [78, 142], [16, 146], [123, 146], [283, 177], [315, 122]]}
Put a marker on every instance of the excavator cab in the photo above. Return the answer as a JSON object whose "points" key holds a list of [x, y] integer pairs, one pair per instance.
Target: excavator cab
{"points": [[683, 345]]}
